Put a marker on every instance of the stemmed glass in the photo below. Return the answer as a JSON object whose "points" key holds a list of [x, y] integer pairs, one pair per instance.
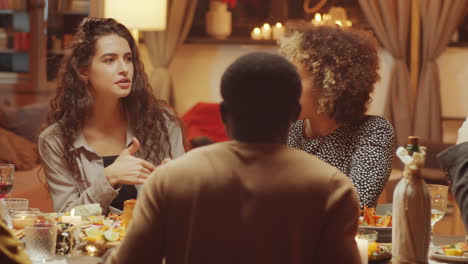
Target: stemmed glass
{"points": [[7, 177], [438, 194]]}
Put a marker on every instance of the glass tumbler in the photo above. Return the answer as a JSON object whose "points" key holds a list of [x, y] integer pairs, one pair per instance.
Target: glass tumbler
{"points": [[41, 241]]}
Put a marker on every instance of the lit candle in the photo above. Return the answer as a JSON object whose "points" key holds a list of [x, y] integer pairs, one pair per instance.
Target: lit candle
{"points": [[71, 219], [266, 31], [256, 34], [339, 23], [278, 31], [317, 21], [20, 221], [363, 247]]}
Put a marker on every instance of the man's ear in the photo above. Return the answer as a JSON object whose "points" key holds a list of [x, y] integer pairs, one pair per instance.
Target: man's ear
{"points": [[224, 112]]}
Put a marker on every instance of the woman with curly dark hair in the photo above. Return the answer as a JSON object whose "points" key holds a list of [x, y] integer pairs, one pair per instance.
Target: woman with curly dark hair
{"points": [[107, 131], [338, 70]]}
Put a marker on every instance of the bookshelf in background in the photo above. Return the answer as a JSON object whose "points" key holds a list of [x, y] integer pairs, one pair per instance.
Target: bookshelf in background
{"points": [[64, 18], [15, 38]]}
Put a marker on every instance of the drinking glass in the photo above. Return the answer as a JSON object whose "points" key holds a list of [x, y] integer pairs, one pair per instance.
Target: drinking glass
{"points": [[7, 177], [41, 240], [438, 194], [7, 204]]}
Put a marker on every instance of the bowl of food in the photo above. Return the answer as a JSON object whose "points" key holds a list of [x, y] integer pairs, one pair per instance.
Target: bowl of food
{"points": [[378, 219]]}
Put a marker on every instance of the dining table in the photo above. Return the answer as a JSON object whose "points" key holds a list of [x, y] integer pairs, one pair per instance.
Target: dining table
{"points": [[73, 260], [438, 240]]}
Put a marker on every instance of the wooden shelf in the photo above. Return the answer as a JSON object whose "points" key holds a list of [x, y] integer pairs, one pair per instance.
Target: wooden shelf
{"points": [[75, 13], [11, 11], [229, 41], [11, 51], [55, 52]]}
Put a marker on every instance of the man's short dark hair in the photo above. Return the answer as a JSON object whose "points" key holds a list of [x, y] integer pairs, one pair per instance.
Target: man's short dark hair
{"points": [[261, 93]]}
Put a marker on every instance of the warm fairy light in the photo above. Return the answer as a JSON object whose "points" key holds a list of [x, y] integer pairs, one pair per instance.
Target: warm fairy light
{"points": [[256, 30], [266, 26], [349, 23], [279, 25]]}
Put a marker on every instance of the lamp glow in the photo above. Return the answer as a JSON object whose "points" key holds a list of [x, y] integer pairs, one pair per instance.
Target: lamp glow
{"points": [[148, 15]]}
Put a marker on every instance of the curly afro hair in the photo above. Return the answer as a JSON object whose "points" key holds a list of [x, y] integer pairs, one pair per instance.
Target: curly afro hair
{"points": [[343, 64]]}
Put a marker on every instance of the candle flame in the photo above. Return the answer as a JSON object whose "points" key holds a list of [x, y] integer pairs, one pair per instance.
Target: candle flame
{"points": [[318, 17], [72, 212], [256, 30], [266, 26], [339, 23], [279, 25]]}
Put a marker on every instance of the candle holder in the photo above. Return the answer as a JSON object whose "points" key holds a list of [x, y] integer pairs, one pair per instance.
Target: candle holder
{"points": [[21, 218]]}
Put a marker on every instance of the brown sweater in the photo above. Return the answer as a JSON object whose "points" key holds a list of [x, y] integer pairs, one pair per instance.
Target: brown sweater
{"points": [[233, 202]]}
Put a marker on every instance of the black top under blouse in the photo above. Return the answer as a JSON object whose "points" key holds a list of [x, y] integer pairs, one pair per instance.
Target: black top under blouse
{"points": [[126, 192]]}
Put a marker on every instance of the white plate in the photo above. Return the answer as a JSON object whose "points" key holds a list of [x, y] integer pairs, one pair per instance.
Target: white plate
{"points": [[459, 259]]}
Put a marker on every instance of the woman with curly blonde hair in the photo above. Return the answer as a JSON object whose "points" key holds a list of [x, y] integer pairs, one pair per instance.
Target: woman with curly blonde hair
{"points": [[339, 70], [107, 131]]}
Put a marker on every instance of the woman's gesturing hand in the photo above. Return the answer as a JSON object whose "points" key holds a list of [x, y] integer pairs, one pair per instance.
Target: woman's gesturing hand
{"points": [[128, 169]]}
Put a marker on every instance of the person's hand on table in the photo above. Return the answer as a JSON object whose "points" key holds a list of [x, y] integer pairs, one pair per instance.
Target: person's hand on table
{"points": [[128, 169], [463, 132]]}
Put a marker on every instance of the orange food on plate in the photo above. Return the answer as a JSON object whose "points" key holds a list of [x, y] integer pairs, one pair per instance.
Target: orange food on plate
{"points": [[370, 218]]}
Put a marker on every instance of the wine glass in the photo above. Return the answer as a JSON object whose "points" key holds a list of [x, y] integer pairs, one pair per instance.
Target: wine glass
{"points": [[7, 177], [438, 194]]}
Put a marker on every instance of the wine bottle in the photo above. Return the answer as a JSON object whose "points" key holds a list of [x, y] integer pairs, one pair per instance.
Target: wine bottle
{"points": [[411, 208], [412, 145]]}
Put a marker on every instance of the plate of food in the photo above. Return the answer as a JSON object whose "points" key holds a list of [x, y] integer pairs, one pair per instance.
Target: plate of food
{"points": [[382, 223], [457, 252], [379, 251]]}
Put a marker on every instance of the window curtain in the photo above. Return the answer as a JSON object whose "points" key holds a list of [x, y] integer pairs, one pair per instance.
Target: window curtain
{"points": [[390, 20], [439, 20], [162, 46]]}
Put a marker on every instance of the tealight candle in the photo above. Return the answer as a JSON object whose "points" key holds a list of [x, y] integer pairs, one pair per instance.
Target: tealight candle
{"points": [[278, 31], [256, 34], [363, 247], [22, 217], [317, 21], [21, 220], [71, 219], [266, 31]]}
